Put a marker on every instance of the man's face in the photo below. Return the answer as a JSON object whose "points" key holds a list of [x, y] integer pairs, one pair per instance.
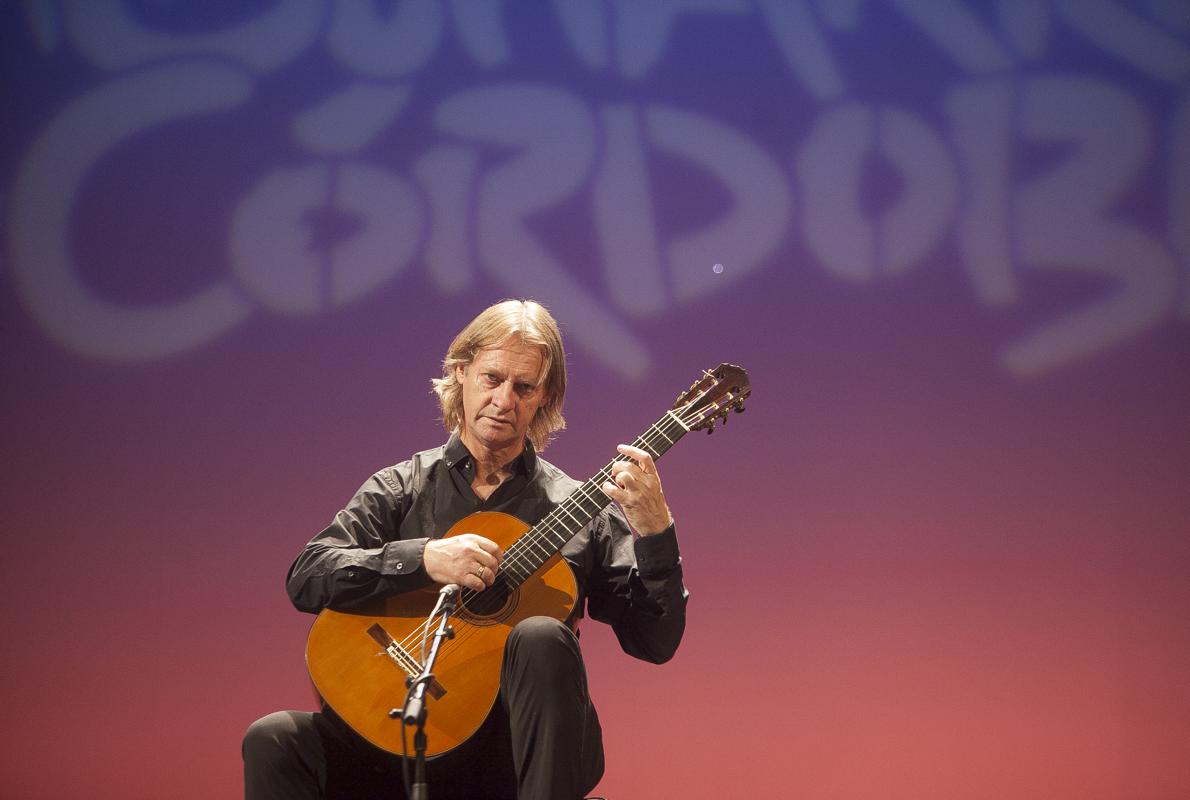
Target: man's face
{"points": [[502, 390]]}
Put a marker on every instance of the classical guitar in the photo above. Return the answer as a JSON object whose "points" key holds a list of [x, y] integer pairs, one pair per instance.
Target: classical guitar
{"points": [[360, 658]]}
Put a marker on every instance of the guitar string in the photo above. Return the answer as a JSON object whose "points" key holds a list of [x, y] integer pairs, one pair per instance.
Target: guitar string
{"points": [[519, 550], [589, 491]]}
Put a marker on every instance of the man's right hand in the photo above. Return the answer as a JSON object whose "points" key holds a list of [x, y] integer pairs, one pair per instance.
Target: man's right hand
{"points": [[467, 559]]}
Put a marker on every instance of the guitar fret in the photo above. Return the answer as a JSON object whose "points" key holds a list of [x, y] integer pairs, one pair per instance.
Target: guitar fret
{"points": [[536, 548], [562, 508], [502, 576], [552, 524], [513, 568]]}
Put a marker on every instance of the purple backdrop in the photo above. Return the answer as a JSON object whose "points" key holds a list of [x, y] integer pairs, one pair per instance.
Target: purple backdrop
{"points": [[944, 554]]}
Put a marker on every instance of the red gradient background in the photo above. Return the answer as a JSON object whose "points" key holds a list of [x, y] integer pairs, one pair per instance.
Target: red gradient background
{"points": [[913, 574]]}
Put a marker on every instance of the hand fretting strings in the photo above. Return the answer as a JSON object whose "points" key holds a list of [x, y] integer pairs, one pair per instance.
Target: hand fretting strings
{"points": [[541, 542]]}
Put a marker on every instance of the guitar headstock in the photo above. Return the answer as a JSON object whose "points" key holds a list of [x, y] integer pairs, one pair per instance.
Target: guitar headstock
{"points": [[712, 397]]}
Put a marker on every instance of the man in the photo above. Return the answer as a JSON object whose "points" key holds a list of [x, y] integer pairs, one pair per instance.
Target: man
{"points": [[501, 392]]}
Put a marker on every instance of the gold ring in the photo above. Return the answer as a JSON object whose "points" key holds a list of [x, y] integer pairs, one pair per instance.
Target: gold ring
{"points": [[482, 570]]}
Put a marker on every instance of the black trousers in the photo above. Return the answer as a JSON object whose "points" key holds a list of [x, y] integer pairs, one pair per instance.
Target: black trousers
{"points": [[542, 740]]}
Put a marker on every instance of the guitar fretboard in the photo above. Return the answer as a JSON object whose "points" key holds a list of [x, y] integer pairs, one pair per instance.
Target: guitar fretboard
{"points": [[541, 542]]}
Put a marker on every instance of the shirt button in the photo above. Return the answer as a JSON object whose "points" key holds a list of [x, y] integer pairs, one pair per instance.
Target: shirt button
{"points": [[400, 565]]}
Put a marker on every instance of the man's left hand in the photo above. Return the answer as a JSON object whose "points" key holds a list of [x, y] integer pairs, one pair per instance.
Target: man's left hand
{"points": [[636, 487]]}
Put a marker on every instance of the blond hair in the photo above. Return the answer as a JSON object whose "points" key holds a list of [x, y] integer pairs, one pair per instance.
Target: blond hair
{"points": [[527, 322]]}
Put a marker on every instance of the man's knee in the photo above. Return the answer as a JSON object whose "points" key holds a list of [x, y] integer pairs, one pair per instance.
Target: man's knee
{"points": [[542, 634], [543, 653], [275, 737]]}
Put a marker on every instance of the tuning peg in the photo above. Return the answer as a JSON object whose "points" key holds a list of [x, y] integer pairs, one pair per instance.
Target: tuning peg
{"points": [[711, 428], [738, 408]]}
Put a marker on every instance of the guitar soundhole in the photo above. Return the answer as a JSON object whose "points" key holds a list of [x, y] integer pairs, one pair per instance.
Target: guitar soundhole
{"points": [[490, 606]]}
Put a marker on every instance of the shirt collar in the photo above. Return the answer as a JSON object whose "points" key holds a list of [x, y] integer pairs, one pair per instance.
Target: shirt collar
{"points": [[458, 456]]}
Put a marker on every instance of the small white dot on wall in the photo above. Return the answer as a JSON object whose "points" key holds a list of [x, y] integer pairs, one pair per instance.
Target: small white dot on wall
{"points": [[717, 269]]}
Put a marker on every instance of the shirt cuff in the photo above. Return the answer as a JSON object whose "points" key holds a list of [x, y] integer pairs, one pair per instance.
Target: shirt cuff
{"points": [[402, 557], [657, 555]]}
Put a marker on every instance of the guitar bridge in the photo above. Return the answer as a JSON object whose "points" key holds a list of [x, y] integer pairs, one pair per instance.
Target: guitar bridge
{"points": [[402, 659]]}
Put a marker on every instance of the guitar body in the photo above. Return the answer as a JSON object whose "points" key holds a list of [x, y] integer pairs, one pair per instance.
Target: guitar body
{"points": [[362, 679]]}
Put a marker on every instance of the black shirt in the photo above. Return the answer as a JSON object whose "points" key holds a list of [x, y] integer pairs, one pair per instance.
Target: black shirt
{"points": [[373, 547]]}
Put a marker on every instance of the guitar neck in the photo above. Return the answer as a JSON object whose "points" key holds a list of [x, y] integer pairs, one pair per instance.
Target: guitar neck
{"points": [[541, 542]]}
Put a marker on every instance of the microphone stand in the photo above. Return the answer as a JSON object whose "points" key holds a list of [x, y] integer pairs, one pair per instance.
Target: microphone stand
{"points": [[414, 711]]}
